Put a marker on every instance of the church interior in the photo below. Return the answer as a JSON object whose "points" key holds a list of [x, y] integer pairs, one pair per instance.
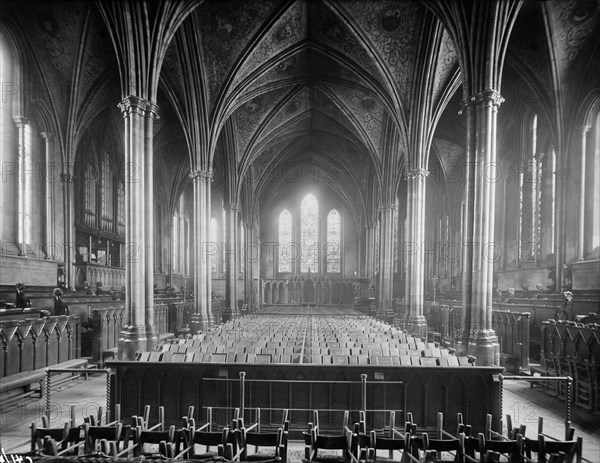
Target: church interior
{"points": [[249, 221]]}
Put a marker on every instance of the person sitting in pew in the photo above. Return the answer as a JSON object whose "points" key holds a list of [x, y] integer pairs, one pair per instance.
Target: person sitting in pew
{"points": [[21, 301], [60, 308]]}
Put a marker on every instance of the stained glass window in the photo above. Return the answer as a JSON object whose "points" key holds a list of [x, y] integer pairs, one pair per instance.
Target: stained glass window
{"points": [[334, 240], [121, 209], [90, 196], [309, 229], [106, 186], [26, 206], [212, 248], [175, 241], [285, 241], [377, 246]]}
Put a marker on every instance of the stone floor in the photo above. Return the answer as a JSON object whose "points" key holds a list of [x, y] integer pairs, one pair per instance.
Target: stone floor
{"points": [[522, 402]]}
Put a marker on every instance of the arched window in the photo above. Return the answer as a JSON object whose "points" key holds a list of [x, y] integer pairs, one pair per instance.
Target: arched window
{"points": [[212, 250], [285, 241], [309, 240], [90, 188], [377, 246], [121, 209], [7, 128], [182, 226], [592, 186], [106, 194], [334, 240], [175, 241], [26, 185]]}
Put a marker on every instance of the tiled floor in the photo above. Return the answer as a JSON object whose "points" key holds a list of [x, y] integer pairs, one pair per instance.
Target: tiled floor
{"points": [[522, 402]]}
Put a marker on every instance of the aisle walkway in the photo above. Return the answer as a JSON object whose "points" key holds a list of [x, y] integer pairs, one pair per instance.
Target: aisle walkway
{"points": [[522, 402]]}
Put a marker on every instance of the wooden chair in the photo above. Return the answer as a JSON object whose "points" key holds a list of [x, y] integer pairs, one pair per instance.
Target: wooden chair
{"points": [[278, 441], [99, 438], [402, 447], [208, 439], [552, 450], [433, 449], [145, 437], [491, 450]]}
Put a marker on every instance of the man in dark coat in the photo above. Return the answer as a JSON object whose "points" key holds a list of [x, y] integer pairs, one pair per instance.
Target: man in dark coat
{"points": [[21, 301], [60, 308]]}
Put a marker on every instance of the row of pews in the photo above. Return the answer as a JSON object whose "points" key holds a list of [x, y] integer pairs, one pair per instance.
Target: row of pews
{"points": [[572, 349], [312, 336]]}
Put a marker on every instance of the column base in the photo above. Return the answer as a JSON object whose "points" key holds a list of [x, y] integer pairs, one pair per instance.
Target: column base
{"points": [[200, 323], [136, 338], [417, 324], [483, 344]]}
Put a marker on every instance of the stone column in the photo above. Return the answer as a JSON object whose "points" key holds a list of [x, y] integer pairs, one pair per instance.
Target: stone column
{"points": [[69, 251], [202, 317], [562, 178], [139, 333], [480, 212], [250, 255], [386, 258], [370, 250], [581, 230], [49, 238], [231, 246], [416, 179]]}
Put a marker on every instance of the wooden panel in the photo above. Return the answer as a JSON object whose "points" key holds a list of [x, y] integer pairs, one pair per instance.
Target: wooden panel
{"points": [[447, 385]]}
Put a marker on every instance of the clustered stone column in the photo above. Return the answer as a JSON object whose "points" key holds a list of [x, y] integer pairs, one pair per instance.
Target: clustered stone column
{"points": [[416, 179], [202, 317], [139, 333], [249, 260], [386, 256], [68, 183], [370, 250], [231, 246], [480, 249]]}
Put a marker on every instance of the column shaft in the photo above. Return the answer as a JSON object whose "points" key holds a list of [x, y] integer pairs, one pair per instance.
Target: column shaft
{"points": [[415, 279], [231, 247], [483, 342], [139, 333], [386, 261], [249, 249], [202, 316]]}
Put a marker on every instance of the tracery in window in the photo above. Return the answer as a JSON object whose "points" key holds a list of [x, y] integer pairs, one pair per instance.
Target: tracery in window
{"points": [[334, 239], [309, 238], [285, 241], [106, 194]]}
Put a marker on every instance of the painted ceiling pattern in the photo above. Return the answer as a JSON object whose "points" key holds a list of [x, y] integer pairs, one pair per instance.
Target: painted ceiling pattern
{"points": [[294, 75]]}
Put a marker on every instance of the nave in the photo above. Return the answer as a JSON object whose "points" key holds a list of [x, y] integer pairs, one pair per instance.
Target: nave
{"points": [[316, 328]]}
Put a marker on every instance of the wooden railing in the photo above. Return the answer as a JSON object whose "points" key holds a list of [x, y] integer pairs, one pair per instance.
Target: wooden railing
{"points": [[31, 344]]}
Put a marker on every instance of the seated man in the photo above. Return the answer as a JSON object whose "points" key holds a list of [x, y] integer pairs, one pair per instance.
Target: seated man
{"points": [[21, 301], [60, 308]]}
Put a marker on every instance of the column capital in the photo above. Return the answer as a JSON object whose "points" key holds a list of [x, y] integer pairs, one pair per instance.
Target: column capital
{"points": [[248, 225], [416, 173], [67, 178], [20, 120], [233, 206], [585, 129], [387, 207], [134, 104], [370, 225], [487, 95], [205, 174], [47, 135]]}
